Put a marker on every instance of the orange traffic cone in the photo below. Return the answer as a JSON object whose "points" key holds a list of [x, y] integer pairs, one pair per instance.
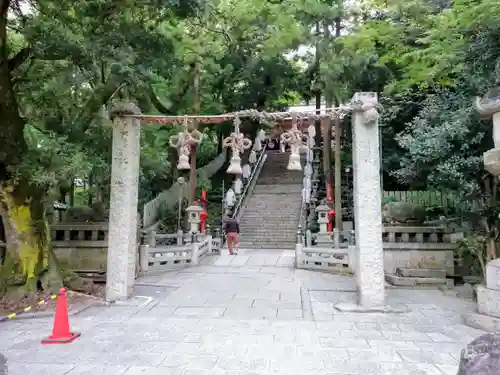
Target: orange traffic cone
{"points": [[61, 333]]}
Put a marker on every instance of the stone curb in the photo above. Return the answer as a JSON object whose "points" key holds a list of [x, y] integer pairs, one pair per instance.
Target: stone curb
{"points": [[71, 312], [46, 314]]}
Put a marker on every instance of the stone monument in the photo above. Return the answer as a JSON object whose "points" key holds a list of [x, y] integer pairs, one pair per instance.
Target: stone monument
{"points": [[369, 251], [122, 242]]}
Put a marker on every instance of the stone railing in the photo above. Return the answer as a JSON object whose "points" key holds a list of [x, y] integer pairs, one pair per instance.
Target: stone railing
{"points": [[162, 252], [324, 259], [82, 247], [250, 185], [404, 247], [419, 247]]}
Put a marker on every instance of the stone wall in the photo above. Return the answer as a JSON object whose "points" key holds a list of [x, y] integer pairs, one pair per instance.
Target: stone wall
{"points": [[404, 247], [419, 247], [82, 247]]}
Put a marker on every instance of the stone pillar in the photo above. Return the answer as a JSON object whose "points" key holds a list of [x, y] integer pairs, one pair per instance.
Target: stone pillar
{"points": [[368, 203], [488, 296], [122, 242]]}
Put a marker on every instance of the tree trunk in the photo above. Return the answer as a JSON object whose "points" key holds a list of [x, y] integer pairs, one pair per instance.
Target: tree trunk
{"points": [[90, 195], [338, 175], [30, 264], [491, 249], [327, 158]]}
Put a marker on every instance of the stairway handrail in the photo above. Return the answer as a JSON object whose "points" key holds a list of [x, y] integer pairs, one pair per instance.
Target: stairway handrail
{"points": [[301, 230], [251, 181], [301, 227]]}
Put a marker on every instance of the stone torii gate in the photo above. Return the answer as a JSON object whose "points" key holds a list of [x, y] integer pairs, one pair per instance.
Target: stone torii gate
{"points": [[122, 242]]}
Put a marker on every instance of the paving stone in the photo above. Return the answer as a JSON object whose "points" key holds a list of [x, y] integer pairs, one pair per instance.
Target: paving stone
{"points": [[425, 356], [339, 342], [241, 319], [448, 369], [375, 354], [251, 313], [99, 369], [240, 260], [409, 369], [292, 314], [199, 311], [189, 360], [38, 369], [148, 370], [280, 304]]}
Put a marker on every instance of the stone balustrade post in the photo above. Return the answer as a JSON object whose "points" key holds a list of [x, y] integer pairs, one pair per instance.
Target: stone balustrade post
{"points": [[151, 238], [210, 244], [180, 237], [308, 238], [143, 258], [122, 239], [195, 259], [298, 255]]}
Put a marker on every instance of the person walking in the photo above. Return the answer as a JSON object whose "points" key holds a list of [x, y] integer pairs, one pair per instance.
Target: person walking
{"points": [[232, 229]]}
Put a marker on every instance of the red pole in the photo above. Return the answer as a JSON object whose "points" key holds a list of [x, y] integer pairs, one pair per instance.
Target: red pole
{"points": [[331, 216], [329, 193]]}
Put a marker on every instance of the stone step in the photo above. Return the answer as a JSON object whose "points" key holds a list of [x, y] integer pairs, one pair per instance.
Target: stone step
{"points": [[281, 245], [421, 272], [262, 232], [254, 228], [264, 220], [272, 213], [266, 190], [266, 210], [267, 225], [418, 281]]}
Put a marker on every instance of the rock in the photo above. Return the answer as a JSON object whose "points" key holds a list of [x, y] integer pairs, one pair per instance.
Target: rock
{"points": [[3, 365], [481, 356], [403, 212]]}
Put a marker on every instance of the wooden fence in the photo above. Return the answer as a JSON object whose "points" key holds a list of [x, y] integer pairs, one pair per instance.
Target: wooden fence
{"points": [[432, 198]]}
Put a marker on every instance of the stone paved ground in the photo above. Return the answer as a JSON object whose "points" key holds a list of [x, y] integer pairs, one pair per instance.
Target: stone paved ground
{"points": [[249, 314]]}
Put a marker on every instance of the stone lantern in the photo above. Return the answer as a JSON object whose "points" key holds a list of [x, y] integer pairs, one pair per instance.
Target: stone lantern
{"points": [[323, 237], [194, 219], [322, 211], [488, 295]]}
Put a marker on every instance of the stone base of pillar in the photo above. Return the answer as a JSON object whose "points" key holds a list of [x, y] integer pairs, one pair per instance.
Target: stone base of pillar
{"points": [[484, 322], [355, 308], [488, 301], [323, 239]]}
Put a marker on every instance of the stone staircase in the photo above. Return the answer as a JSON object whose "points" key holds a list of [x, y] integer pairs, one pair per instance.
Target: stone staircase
{"points": [[271, 215]]}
